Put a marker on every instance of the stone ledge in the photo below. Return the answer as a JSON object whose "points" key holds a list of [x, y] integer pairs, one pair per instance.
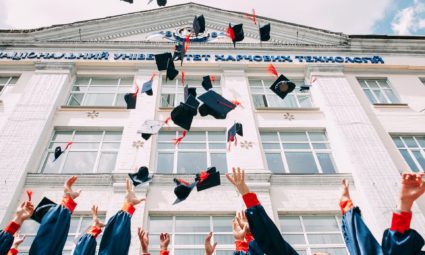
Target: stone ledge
{"points": [[85, 108], [311, 179], [391, 105], [276, 109]]}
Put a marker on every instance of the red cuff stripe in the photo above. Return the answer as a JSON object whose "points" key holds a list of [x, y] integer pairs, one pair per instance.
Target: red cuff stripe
{"points": [[251, 200], [241, 246], [345, 206], [401, 222], [128, 208], [69, 203], [249, 237], [94, 231], [163, 252], [12, 227], [12, 251]]}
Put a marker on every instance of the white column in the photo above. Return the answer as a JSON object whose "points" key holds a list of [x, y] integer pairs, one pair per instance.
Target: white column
{"points": [[27, 125], [354, 132]]}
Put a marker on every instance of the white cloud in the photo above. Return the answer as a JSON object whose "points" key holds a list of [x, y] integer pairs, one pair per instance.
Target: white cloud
{"points": [[347, 16], [409, 20]]}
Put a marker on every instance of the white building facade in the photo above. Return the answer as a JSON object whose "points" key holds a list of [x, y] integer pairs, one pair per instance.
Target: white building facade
{"points": [[363, 119]]}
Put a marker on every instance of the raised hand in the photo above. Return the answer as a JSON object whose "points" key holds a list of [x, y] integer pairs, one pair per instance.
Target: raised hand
{"points": [[144, 240], [68, 192], [238, 180], [23, 212], [345, 194], [238, 232], [164, 241], [412, 187], [96, 220], [130, 196], [242, 220], [19, 239], [209, 249]]}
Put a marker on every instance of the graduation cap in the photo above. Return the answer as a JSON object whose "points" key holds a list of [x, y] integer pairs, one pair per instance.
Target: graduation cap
{"points": [[142, 176], [199, 25], [189, 92], [236, 129], [183, 114], [149, 128], [207, 82], [236, 33], [208, 179], [265, 33], [42, 208], [147, 86], [282, 86], [161, 2], [215, 105], [182, 190], [130, 99], [128, 1], [304, 87], [59, 151], [171, 70], [162, 60], [178, 51]]}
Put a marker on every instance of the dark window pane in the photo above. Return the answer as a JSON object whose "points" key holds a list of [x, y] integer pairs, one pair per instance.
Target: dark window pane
{"points": [[301, 162], [326, 163], [274, 161], [191, 162], [165, 162]]}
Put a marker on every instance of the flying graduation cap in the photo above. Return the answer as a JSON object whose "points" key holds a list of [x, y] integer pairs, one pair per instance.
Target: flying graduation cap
{"points": [[189, 92], [164, 61], [265, 33], [131, 99], [305, 87], [215, 105], [182, 190], [147, 86], [42, 208], [282, 86], [149, 128], [183, 114], [142, 176], [128, 1], [235, 33], [180, 50], [207, 82], [232, 133], [159, 2], [207, 179], [59, 151], [199, 25]]}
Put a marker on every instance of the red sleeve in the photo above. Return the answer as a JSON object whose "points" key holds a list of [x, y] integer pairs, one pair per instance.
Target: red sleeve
{"points": [[401, 222], [250, 200], [129, 208], [249, 237], [163, 252], [12, 251], [94, 231], [241, 246], [69, 203], [12, 227], [345, 206]]}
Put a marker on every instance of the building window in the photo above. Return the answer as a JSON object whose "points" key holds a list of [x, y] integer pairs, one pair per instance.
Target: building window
{"points": [[378, 91], [172, 91], [298, 152], [263, 97], [311, 234], [188, 233], [100, 91], [78, 227], [7, 82], [412, 148], [198, 150], [90, 152]]}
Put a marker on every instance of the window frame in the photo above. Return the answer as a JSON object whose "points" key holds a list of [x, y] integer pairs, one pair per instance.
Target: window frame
{"points": [[364, 80], [4, 87], [410, 150]]}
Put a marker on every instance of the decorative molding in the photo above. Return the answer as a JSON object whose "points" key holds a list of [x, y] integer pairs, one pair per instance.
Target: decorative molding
{"points": [[138, 144], [247, 144], [93, 114], [289, 116]]}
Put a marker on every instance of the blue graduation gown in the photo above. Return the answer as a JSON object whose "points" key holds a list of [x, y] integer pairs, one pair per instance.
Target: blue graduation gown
{"points": [[6, 242], [408, 243], [117, 235], [86, 245]]}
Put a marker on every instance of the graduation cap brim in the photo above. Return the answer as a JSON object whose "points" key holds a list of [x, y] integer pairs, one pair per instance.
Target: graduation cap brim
{"points": [[150, 127], [216, 105], [207, 83], [275, 87], [199, 24], [265, 33], [162, 61], [211, 181], [42, 208], [147, 88], [58, 153], [239, 34], [191, 187], [146, 136], [183, 114], [136, 181], [130, 100], [172, 72], [161, 2]]}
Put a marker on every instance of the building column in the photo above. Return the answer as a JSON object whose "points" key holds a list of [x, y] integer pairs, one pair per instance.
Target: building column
{"points": [[353, 132], [27, 125]]}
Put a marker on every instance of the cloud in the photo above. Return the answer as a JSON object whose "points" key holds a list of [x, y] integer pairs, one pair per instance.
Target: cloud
{"points": [[347, 16], [410, 19]]}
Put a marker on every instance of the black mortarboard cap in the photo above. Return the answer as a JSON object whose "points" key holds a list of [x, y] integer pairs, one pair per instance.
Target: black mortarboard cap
{"points": [[238, 33], [130, 99], [147, 87], [282, 86], [178, 52], [42, 208], [182, 190], [183, 114], [189, 92], [161, 2], [142, 176], [215, 105], [58, 152], [265, 33], [206, 82], [171, 70], [149, 128], [304, 87], [208, 179], [128, 1], [236, 129], [199, 25], [162, 60]]}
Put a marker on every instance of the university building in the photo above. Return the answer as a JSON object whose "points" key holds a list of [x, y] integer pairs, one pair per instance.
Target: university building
{"points": [[363, 119]]}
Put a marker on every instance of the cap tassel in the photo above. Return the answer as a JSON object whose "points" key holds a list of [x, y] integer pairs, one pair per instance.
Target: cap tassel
{"points": [[183, 78], [237, 103], [212, 78], [203, 176], [186, 43], [252, 16], [183, 182], [29, 193], [271, 69], [137, 89], [153, 76], [227, 105], [167, 120], [68, 144], [231, 33], [178, 140], [313, 80], [232, 139]]}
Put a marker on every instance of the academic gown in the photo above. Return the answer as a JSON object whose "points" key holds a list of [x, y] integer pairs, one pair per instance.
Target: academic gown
{"points": [[252, 249], [117, 234], [53, 231], [87, 243], [265, 232], [6, 237]]}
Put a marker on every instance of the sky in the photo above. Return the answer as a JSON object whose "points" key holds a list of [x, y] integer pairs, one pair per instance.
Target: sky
{"points": [[391, 17]]}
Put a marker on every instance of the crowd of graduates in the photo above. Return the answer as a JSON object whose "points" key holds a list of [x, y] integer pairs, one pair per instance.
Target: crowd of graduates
{"points": [[253, 230]]}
